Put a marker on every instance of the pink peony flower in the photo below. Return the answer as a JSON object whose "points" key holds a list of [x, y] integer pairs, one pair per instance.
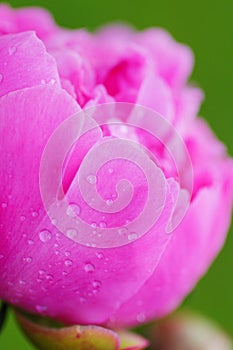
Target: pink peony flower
{"points": [[48, 74]]}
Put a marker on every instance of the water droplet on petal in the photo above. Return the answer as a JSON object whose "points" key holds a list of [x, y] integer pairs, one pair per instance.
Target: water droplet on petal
{"points": [[68, 262], [73, 210], [122, 230], [22, 282], [28, 259], [41, 272], [41, 308], [22, 218], [4, 205], [132, 236], [67, 253], [100, 255], [52, 81], [89, 267], [96, 284], [91, 179], [102, 224], [54, 221], [45, 235], [71, 233], [49, 277], [30, 242], [109, 202], [141, 317], [34, 214]]}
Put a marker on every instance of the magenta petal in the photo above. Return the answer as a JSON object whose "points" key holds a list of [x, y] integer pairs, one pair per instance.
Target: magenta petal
{"points": [[180, 266], [174, 61], [39, 110], [21, 20], [155, 94], [25, 63], [40, 263], [36, 19]]}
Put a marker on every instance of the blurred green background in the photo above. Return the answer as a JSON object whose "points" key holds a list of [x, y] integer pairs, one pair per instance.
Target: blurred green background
{"points": [[206, 26]]}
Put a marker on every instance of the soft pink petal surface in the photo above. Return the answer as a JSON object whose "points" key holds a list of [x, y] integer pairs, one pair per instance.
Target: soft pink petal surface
{"points": [[42, 83], [25, 63]]}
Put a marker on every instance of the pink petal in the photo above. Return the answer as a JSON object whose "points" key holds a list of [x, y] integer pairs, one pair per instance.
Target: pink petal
{"points": [[174, 61], [155, 94], [25, 63], [42, 269], [21, 20], [181, 266]]}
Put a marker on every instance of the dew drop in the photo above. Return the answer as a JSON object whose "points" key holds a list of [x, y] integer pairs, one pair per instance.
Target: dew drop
{"points": [[91, 179], [132, 236], [49, 277], [73, 210], [102, 224], [100, 255], [109, 202], [54, 222], [45, 236], [67, 253], [141, 317], [122, 230], [68, 262], [22, 218], [28, 259], [34, 214], [30, 242], [22, 282], [41, 308], [58, 236], [41, 272], [89, 267], [4, 205], [71, 233], [52, 81], [96, 284]]}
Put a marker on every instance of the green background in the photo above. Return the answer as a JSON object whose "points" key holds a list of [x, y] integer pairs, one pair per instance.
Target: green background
{"points": [[206, 26]]}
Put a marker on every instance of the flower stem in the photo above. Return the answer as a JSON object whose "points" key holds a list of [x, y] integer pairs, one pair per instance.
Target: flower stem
{"points": [[3, 313]]}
